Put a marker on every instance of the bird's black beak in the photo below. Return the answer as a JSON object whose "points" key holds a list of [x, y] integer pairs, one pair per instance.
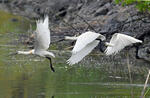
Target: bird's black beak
{"points": [[62, 38], [50, 64], [11, 54]]}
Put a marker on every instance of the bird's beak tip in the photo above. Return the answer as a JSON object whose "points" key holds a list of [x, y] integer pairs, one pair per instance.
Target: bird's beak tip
{"points": [[14, 53], [53, 56]]}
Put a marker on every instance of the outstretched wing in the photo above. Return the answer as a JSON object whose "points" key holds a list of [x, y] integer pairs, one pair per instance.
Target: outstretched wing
{"points": [[84, 39], [42, 35], [78, 56], [119, 41], [46, 22]]}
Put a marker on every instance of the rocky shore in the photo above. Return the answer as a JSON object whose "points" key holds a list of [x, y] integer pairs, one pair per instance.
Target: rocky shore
{"points": [[69, 17]]}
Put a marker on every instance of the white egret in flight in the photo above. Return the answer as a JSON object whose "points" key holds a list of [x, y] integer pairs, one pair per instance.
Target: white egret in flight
{"points": [[42, 41], [118, 42], [87, 41]]}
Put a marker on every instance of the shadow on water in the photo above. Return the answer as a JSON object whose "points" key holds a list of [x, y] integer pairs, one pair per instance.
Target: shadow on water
{"points": [[95, 77]]}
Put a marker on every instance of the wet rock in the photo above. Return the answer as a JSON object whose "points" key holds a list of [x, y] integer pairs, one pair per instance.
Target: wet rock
{"points": [[112, 25], [4, 1], [102, 15], [101, 11], [128, 33], [144, 51], [14, 20]]}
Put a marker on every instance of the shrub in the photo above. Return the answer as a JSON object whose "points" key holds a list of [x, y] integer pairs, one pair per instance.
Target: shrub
{"points": [[142, 5]]}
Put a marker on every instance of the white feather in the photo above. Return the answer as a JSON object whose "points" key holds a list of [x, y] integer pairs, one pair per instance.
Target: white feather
{"points": [[42, 35], [78, 56], [46, 22], [118, 42], [84, 39]]}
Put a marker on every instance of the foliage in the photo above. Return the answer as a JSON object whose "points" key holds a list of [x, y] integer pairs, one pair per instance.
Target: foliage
{"points": [[142, 5], [12, 23]]}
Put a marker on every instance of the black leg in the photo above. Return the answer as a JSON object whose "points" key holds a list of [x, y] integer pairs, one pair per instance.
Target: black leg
{"points": [[50, 64], [52, 97], [101, 45]]}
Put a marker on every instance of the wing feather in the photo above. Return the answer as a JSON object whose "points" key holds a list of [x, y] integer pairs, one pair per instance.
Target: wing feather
{"points": [[46, 22], [85, 39], [78, 56], [119, 41], [42, 35]]}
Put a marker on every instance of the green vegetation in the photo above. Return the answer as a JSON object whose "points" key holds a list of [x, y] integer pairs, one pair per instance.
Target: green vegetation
{"points": [[12, 23], [142, 5], [147, 92]]}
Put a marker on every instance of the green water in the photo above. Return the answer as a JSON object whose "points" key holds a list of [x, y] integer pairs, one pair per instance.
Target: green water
{"points": [[30, 76]]}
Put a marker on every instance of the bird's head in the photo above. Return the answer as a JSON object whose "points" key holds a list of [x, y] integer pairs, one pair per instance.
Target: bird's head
{"points": [[45, 54], [51, 54]]}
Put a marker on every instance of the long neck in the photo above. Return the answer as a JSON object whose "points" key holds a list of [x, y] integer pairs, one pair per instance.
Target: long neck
{"points": [[26, 52], [109, 44], [70, 38]]}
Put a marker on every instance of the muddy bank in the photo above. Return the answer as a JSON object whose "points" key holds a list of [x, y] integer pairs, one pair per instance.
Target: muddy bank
{"points": [[102, 15]]}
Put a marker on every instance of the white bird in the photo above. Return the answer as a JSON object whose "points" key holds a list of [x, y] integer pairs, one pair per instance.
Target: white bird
{"points": [[85, 43], [118, 42], [42, 41]]}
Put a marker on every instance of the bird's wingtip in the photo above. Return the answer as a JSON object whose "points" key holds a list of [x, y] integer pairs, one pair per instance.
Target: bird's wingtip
{"points": [[74, 51], [69, 62]]}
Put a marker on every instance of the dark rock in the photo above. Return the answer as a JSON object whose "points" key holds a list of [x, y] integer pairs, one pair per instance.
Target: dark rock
{"points": [[144, 53], [4, 1], [112, 25], [111, 12], [101, 11], [14, 20], [144, 50], [102, 15], [128, 33]]}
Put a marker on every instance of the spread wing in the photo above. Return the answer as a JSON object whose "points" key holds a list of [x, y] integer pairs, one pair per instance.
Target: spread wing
{"points": [[46, 22], [78, 56], [42, 35], [119, 41], [85, 39]]}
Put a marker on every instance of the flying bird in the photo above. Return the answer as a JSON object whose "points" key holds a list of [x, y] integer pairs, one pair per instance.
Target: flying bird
{"points": [[42, 41], [87, 41], [118, 42]]}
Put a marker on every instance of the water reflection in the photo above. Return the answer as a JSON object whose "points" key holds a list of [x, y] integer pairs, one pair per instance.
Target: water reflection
{"points": [[34, 79]]}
